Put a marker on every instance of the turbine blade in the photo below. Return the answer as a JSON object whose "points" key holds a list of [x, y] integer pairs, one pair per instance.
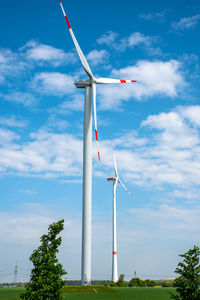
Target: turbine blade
{"points": [[80, 53], [115, 162], [110, 80], [111, 179], [95, 116], [124, 187]]}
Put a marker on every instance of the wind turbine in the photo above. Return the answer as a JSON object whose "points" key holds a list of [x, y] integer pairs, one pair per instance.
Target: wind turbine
{"points": [[87, 153], [115, 181]]}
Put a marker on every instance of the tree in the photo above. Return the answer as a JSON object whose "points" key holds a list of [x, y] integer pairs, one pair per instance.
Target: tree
{"points": [[188, 283], [149, 282], [135, 281], [113, 284], [167, 284], [121, 282], [46, 282]]}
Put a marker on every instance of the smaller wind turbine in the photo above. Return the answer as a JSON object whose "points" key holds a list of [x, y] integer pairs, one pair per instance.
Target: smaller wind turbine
{"points": [[115, 180]]}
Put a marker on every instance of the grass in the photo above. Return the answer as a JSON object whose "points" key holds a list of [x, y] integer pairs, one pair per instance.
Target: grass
{"points": [[89, 289], [103, 293], [10, 293], [123, 294]]}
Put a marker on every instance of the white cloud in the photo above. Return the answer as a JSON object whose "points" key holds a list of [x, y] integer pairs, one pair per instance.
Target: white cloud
{"points": [[168, 154], [158, 77], [76, 104], [153, 78], [173, 124], [145, 41], [186, 23], [7, 137], [131, 139], [55, 122], [12, 121], [192, 114], [40, 52], [54, 83], [170, 220], [10, 65], [25, 98], [138, 38], [108, 38], [97, 57], [135, 39], [6, 58], [29, 193], [14, 66], [46, 154], [158, 16], [2, 58], [28, 227], [190, 194]]}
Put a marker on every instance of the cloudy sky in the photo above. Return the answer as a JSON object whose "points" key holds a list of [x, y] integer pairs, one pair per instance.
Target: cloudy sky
{"points": [[155, 124]]}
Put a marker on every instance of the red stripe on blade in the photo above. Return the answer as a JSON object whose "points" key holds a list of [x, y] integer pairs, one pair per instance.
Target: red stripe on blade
{"points": [[98, 155], [133, 80], [67, 22], [96, 135], [122, 81], [60, 1], [110, 179]]}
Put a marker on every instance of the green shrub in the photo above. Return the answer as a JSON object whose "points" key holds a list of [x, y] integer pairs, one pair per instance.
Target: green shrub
{"points": [[106, 284], [167, 284], [121, 282], [137, 282], [113, 284], [149, 283]]}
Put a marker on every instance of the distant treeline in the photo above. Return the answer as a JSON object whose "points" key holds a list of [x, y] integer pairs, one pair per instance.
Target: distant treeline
{"points": [[137, 282], [134, 282], [12, 284]]}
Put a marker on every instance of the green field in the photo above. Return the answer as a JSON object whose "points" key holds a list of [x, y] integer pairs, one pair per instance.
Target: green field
{"points": [[75, 293]]}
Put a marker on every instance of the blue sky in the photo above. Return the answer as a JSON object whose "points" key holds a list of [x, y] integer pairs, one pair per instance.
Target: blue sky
{"points": [[155, 124]]}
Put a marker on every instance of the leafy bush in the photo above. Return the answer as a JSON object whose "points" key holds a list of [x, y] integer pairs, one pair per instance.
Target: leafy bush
{"points": [[113, 284], [137, 282], [121, 282], [167, 284], [106, 284], [149, 283]]}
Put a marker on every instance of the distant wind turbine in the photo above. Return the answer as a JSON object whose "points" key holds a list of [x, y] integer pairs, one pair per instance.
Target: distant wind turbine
{"points": [[115, 181], [87, 153]]}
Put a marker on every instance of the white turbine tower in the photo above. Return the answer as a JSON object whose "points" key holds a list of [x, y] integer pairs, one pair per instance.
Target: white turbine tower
{"points": [[87, 153], [115, 181]]}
